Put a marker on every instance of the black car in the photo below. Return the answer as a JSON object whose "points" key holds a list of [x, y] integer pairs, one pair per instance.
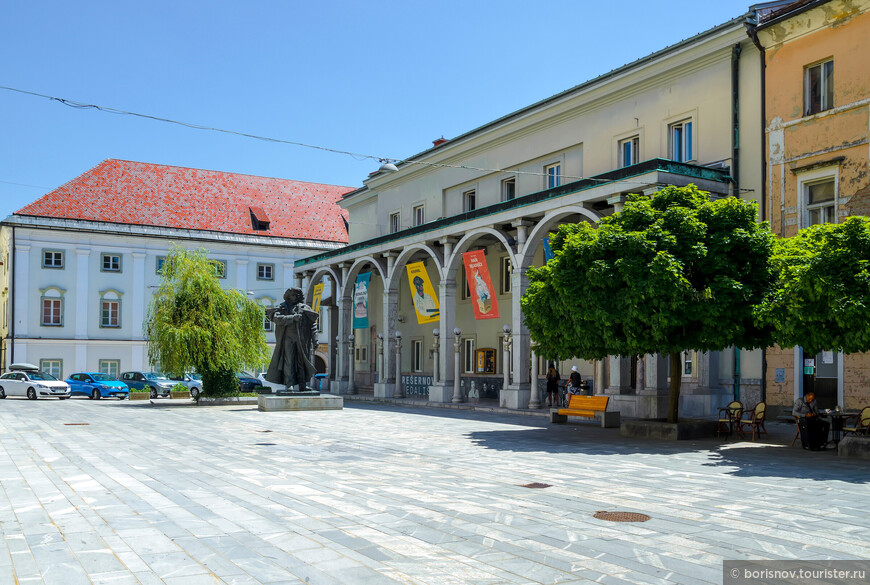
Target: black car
{"points": [[247, 382]]}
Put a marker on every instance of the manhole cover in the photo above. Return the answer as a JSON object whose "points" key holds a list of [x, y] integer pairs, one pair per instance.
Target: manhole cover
{"points": [[265, 444], [620, 516], [76, 424], [536, 485]]}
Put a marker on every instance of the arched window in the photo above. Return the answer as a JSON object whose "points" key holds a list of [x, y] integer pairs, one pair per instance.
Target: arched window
{"points": [[51, 304], [110, 308]]}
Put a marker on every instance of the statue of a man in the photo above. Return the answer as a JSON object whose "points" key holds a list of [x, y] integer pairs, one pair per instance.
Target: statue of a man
{"points": [[295, 338]]}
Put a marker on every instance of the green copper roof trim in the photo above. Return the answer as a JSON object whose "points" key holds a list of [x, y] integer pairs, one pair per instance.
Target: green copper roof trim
{"points": [[649, 166]]}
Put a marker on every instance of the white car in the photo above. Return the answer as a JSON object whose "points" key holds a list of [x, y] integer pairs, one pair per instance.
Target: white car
{"points": [[192, 381], [33, 384]]}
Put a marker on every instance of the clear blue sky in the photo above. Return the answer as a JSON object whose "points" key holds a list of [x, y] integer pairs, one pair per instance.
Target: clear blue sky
{"points": [[369, 77]]}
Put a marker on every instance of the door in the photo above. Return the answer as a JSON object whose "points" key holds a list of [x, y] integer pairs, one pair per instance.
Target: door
{"points": [[820, 376]]}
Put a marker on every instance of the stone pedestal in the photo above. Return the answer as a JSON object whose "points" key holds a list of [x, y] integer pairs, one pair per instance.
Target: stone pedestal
{"points": [[271, 403], [441, 393], [384, 390], [515, 396]]}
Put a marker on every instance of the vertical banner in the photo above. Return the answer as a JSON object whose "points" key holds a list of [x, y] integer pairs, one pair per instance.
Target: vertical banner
{"points": [[480, 285], [361, 301], [425, 300], [318, 293], [548, 251]]}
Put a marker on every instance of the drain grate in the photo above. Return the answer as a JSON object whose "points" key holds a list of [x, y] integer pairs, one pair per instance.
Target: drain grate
{"points": [[265, 444], [620, 516], [264, 431], [76, 424], [536, 485]]}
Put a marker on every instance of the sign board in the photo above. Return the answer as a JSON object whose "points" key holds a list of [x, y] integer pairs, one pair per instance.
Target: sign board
{"points": [[780, 375], [809, 363], [809, 370]]}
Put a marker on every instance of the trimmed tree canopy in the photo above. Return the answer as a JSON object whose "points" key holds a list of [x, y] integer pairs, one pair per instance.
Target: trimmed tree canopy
{"points": [[821, 297], [195, 324], [674, 272]]}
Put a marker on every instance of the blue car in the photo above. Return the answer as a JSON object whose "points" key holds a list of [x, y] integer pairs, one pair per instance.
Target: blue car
{"points": [[96, 385]]}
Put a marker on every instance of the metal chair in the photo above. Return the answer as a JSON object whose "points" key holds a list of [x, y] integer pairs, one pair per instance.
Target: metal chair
{"points": [[729, 418], [755, 421], [797, 433], [861, 424]]}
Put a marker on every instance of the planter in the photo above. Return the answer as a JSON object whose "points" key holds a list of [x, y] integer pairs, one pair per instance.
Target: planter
{"points": [[660, 429], [138, 396], [179, 394]]}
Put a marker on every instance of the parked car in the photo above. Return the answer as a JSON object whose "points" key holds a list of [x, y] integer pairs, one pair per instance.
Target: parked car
{"points": [[191, 380], [27, 380], [156, 384], [247, 382], [96, 385], [263, 382]]}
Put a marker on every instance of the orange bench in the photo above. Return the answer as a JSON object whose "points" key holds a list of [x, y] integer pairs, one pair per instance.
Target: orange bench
{"points": [[587, 407]]}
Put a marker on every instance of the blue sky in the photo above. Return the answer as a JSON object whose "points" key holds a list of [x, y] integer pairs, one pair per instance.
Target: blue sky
{"points": [[375, 78]]}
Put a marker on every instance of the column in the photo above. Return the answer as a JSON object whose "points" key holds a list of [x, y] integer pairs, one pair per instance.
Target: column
{"points": [[21, 290], [140, 295], [331, 333], [82, 301], [399, 393], [242, 276], [457, 380], [620, 375], [653, 399], [599, 382], [442, 390], [386, 385], [518, 393], [351, 383], [535, 400]]}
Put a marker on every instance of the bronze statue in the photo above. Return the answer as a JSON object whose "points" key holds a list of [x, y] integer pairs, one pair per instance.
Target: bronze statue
{"points": [[295, 338]]}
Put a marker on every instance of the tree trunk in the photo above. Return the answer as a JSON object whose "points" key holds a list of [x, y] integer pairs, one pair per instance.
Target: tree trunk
{"points": [[674, 395]]}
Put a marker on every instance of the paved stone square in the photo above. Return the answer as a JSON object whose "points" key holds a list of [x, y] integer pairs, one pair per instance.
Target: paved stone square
{"points": [[388, 494]]}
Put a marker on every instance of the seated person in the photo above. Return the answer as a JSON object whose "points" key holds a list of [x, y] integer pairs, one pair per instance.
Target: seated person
{"points": [[806, 408]]}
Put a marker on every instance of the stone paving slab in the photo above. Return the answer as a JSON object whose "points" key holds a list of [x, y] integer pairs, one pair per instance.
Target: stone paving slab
{"points": [[399, 493]]}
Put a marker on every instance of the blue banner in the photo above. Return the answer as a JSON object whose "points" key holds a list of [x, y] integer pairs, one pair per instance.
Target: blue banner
{"points": [[361, 301], [548, 252]]}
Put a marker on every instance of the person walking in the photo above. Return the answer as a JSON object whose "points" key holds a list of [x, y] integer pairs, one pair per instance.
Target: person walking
{"points": [[552, 386]]}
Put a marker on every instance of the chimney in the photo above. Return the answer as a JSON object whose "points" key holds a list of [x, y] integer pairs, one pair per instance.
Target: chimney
{"points": [[439, 141]]}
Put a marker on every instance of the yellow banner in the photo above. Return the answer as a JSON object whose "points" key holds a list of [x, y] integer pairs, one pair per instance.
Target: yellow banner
{"points": [[318, 292], [422, 293]]}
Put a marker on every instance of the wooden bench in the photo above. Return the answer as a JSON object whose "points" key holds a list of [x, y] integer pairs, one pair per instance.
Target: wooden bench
{"points": [[587, 407]]}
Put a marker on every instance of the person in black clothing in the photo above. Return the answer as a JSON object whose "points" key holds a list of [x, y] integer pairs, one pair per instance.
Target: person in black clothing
{"points": [[552, 386], [574, 381]]}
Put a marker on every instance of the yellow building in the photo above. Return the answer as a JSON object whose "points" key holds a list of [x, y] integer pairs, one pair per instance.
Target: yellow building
{"points": [[817, 113]]}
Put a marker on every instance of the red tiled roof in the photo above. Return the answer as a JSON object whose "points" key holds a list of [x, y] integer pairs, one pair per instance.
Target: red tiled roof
{"points": [[127, 192]]}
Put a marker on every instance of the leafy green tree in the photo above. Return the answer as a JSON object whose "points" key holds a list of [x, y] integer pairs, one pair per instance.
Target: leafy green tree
{"points": [[821, 296], [671, 273], [193, 323]]}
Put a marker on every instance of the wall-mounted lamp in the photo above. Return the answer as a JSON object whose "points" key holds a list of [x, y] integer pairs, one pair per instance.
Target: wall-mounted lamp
{"points": [[457, 331], [507, 329], [387, 166], [436, 332]]}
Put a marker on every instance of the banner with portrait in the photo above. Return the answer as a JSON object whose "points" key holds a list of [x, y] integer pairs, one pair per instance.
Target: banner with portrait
{"points": [[318, 294], [425, 300], [361, 301], [480, 285]]}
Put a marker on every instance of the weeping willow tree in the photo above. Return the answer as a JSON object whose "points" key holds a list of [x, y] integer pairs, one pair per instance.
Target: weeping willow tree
{"points": [[194, 324]]}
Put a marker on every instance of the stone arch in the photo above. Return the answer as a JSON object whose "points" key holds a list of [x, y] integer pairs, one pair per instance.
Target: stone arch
{"points": [[534, 238], [455, 260], [403, 258], [318, 274], [346, 287]]}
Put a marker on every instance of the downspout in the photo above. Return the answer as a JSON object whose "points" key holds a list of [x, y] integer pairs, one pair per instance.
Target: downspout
{"points": [[735, 173], [12, 289], [752, 31]]}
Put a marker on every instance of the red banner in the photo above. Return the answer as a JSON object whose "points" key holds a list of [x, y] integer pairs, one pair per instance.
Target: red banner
{"points": [[480, 285]]}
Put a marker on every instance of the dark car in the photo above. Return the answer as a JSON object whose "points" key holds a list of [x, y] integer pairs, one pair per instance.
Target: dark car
{"points": [[247, 382]]}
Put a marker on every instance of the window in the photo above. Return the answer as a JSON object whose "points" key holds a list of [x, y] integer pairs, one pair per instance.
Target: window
{"points": [[628, 151], [820, 198], [361, 353], [418, 215], [468, 355], [394, 222], [159, 266], [52, 307], [110, 367], [465, 293], [680, 141], [505, 280], [265, 272], [52, 259], [221, 266], [552, 175], [469, 200], [818, 87], [508, 189], [111, 263], [53, 367], [110, 313], [417, 355]]}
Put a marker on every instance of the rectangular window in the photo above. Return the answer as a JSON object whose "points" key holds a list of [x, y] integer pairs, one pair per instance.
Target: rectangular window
{"points": [[110, 313], [361, 353], [419, 215], [466, 291], [508, 189], [158, 267], [110, 367], [552, 175], [505, 279], [53, 367], [52, 312], [628, 151], [394, 222], [820, 197], [111, 263], [265, 272], [267, 324], [680, 141], [417, 355], [469, 200], [52, 259], [818, 87], [221, 266], [468, 355]]}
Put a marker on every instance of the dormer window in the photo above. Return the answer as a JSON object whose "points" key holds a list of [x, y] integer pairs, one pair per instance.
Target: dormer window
{"points": [[259, 219]]}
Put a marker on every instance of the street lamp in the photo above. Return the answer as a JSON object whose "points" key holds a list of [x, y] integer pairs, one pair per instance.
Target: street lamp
{"points": [[507, 354], [435, 333], [380, 357], [351, 387], [398, 393], [457, 388]]}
